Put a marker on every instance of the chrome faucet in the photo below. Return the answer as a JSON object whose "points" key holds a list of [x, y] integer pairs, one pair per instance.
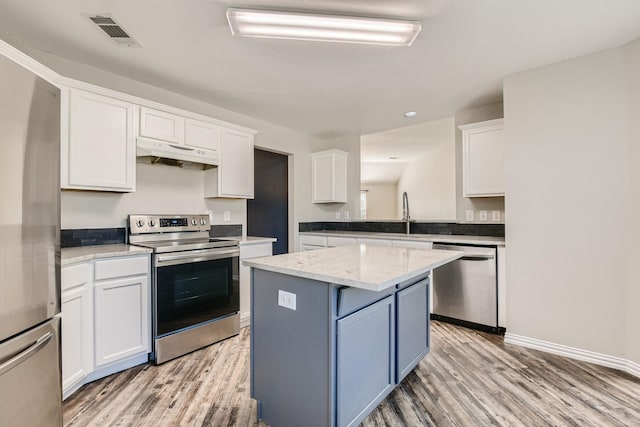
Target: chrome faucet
{"points": [[405, 210]]}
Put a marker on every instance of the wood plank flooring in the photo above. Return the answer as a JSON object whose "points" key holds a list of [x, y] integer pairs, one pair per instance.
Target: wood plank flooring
{"points": [[468, 379]]}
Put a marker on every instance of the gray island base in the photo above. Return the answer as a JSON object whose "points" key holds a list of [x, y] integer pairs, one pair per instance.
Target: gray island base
{"points": [[333, 331]]}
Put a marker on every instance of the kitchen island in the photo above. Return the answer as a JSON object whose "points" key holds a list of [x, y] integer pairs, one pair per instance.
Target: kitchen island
{"points": [[333, 331]]}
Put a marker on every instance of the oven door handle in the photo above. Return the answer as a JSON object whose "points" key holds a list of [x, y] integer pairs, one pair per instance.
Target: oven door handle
{"points": [[194, 256]]}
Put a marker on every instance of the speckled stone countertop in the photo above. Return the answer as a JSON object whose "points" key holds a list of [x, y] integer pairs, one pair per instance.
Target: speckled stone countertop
{"points": [[370, 267], [87, 253], [249, 240], [440, 238]]}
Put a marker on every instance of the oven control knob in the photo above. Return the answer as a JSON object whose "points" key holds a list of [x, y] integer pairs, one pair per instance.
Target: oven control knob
{"points": [[140, 223], [152, 223], [203, 221], [194, 222]]}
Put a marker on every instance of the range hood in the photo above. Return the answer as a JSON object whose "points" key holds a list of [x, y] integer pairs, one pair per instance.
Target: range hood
{"points": [[175, 155]]}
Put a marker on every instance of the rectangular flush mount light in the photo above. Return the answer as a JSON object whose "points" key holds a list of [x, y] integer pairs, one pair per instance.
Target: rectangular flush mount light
{"points": [[327, 28]]}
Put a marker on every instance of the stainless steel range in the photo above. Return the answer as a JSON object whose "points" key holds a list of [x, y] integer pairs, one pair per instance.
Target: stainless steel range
{"points": [[195, 286]]}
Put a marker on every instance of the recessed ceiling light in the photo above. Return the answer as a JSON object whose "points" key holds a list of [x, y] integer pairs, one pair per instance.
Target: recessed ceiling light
{"points": [[411, 114], [315, 27]]}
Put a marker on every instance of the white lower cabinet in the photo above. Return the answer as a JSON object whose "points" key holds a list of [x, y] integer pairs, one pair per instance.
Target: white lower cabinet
{"points": [[246, 252], [121, 312], [106, 322], [311, 242], [77, 334]]}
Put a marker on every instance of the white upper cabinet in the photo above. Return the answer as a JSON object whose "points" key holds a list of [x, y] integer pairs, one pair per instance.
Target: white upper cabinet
{"points": [[329, 176], [234, 177], [176, 129], [483, 159], [97, 143], [157, 124], [202, 135]]}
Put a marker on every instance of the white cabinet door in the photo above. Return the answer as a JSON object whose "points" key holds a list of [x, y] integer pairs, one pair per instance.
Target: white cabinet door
{"points": [[248, 252], [483, 159], [157, 124], [77, 318], [121, 319], [329, 177], [234, 177], [311, 242], [99, 150], [202, 135]]}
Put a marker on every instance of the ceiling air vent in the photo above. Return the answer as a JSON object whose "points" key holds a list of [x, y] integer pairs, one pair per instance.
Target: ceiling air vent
{"points": [[113, 30]]}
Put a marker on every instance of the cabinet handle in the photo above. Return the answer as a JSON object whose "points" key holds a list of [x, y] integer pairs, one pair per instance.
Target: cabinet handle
{"points": [[476, 257], [181, 147], [26, 353]]}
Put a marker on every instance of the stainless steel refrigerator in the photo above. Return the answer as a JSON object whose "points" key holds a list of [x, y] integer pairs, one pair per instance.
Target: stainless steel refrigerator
{"points": [[30, 383]]}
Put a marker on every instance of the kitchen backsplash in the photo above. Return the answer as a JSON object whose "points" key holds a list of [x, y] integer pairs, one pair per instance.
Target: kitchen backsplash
{"points": [[226, 230], [92, 236], [449, 228], [74, 237]]}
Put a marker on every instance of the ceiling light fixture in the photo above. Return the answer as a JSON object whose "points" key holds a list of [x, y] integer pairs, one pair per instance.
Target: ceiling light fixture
{"points": [[410, 114], [327, 28]]}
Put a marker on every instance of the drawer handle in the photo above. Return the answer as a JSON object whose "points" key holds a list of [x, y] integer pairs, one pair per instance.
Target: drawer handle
{"points": [[26, 353]]}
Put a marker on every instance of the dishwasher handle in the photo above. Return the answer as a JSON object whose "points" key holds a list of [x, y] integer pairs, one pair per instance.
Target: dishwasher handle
{"points": [[472, 257]]}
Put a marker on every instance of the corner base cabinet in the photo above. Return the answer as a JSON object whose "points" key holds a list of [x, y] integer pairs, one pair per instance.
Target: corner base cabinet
{"points": [[333, 353], [106, 325]]}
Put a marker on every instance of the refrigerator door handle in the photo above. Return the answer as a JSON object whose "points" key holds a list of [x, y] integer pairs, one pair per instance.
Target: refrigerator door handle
{"points": [[26, 353]]}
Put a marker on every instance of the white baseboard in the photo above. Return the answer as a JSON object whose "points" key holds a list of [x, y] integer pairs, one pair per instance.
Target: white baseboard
{"points": [[575, 353]]}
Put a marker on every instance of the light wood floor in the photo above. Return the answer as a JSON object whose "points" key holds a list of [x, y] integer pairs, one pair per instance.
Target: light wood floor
{"points": [[468, 379]]}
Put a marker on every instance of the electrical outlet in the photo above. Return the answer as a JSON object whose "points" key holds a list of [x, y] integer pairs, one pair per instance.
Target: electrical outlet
{"points": [[337, 215], [346, 214], [287, 300], [227, 215], [495, 216], [469, 215], [484, 216]]}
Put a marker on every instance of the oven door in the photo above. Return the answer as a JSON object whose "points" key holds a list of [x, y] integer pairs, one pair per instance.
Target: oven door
{"points": [[194, 287]]}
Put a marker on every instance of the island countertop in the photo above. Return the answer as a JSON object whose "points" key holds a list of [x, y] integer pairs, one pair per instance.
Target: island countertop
{"points": [[369, 267]]}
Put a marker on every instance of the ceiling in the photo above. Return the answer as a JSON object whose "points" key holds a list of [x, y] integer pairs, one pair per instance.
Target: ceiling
{"points": [[328, 89]]}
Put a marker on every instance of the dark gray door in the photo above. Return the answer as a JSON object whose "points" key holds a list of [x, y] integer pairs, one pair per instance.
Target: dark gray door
{"points": [[268, 211], [365, 361], [413, 327]]}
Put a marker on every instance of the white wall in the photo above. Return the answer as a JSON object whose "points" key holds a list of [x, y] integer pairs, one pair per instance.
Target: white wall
{"points": [[111, 209], [430, 183], [463, 117], [632, 294], [568, 200], [381, 200]]}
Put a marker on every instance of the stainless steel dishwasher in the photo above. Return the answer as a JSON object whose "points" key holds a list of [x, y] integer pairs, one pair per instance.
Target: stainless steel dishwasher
{"points": [[465, 291]]}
